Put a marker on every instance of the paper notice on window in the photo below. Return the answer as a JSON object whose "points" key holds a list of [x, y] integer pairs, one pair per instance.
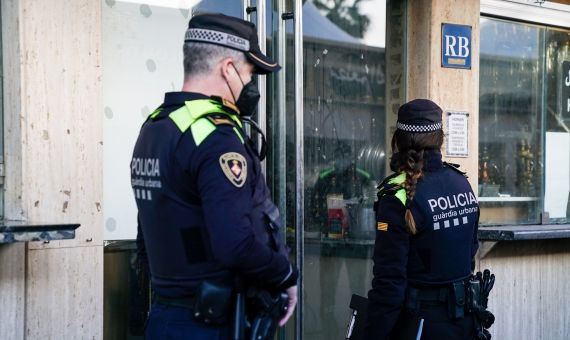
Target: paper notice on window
{"points": [[557, 172], [457, 134]]}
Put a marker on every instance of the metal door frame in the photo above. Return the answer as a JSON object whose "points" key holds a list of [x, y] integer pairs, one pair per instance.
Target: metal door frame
{"points": [[261, 12]]}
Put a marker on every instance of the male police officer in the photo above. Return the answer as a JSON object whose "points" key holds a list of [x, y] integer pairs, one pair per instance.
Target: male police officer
{"points": [[205, 217]]}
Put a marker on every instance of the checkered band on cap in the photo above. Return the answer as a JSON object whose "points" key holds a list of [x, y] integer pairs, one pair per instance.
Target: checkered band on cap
{"points": [[419, 128], [215, 37]]}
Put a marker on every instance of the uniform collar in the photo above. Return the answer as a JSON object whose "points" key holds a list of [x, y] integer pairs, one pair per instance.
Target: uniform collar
{"points": [[432, 160], [178, 98]]}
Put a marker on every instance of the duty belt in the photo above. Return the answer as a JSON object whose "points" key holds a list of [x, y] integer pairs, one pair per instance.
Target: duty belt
{"points": [[451, 294], [186, 302], [440, 294]]}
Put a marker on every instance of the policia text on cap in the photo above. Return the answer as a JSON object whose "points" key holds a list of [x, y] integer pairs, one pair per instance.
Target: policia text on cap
{"points": [[206, 224]]}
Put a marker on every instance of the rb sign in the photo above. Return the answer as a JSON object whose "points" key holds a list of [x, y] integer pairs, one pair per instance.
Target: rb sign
{"points": [[456, 46]]}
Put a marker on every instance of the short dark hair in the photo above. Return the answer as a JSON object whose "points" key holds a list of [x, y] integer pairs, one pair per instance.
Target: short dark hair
{"points": [[201, 58]]}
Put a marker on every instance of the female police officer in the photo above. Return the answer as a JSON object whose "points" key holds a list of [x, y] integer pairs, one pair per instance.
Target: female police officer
{"points": [[427, 217]]}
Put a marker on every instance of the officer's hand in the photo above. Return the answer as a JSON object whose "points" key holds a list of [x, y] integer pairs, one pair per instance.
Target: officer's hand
{"points": [[292, 293]]}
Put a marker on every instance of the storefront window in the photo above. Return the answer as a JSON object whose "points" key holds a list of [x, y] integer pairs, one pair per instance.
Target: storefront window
{"points": [[557, 126], [523, 126]]}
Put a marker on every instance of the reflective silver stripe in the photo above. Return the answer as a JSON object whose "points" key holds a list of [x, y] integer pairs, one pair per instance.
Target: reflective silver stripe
{"points": [[288, 276], [419, 128], [215, 37]]}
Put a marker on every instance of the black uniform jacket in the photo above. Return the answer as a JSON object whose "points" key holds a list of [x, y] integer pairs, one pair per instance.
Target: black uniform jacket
{"points": [[442, 251], [200, 193]]}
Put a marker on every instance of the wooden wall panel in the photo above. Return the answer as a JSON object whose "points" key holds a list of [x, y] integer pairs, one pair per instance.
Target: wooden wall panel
{"points": [[62, 117], [62, 164], [65, 293], [53, 131], [12, 257], [12, 294], [529, 299]]}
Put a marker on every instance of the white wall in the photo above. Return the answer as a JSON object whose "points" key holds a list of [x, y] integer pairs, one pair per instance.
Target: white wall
{"points": [[142, 59]]}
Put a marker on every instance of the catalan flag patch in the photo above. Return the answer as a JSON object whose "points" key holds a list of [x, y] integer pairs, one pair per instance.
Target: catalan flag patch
{"points": [[382, 226]]}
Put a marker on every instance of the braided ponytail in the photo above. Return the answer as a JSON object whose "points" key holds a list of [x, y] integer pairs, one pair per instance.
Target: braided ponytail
{"points": [[412, 166], [408, 157]]}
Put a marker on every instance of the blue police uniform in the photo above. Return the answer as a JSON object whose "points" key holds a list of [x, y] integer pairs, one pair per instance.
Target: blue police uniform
{"points": [[203, 209], [442, 251]]}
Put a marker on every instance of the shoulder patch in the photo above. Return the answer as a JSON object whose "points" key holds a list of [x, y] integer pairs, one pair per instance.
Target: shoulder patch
{"points": [[234, 167], [382, 226]]}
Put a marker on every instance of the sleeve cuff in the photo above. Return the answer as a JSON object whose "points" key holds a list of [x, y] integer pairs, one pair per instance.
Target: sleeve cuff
{"points": [[290, 279]]}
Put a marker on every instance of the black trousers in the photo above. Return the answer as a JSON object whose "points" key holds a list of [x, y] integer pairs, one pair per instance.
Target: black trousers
{"points": [[438, 325]]}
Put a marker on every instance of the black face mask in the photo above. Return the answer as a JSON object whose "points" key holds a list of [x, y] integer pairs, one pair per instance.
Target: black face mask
{"points": [[248, 97]]}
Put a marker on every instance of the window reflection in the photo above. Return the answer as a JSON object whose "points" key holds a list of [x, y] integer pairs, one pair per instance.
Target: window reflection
{"points": [[510, 122], [524, 116], [344, 142]]}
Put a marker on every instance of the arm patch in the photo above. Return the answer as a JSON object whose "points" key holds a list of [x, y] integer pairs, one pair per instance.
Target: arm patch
{"points": [[234, 167]]}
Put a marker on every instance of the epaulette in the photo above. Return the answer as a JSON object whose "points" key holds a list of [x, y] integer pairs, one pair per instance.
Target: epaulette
{"points": [[455, 167], [388, 188], [218, 119], [393, 185]]}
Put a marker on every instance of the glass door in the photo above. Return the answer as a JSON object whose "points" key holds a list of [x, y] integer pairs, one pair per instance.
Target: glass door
{"points": [[344, 133], [329, 115]]}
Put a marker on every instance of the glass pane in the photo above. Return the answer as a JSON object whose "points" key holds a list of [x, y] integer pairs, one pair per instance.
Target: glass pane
{"points": [[510, 122], [557, 139], [344, 154]]}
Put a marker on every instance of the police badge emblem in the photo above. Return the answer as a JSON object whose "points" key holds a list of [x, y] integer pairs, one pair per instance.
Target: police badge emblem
{"points": [[234, 167]]}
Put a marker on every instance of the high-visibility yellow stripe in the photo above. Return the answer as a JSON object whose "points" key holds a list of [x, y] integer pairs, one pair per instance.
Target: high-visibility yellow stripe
{"points": [[191, 116], [182, 118], [201, 129], [400, 194], [239, 135], [155, 112], [203, 107]]}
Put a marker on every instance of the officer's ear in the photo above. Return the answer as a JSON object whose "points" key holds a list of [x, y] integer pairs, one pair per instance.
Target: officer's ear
{"points": [[227, 69]]}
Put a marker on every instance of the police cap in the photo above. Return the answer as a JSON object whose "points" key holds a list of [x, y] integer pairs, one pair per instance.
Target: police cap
{"points": [[233, 33], [419, 116]]}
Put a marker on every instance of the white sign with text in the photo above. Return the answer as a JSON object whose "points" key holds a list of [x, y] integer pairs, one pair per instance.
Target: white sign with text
{"points": [[457, 134]]}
